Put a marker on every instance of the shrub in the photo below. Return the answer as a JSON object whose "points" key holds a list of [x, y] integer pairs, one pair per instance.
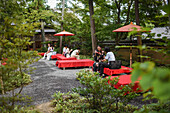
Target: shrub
{"points": [[74, 103], [99, 94], [70, 103]]}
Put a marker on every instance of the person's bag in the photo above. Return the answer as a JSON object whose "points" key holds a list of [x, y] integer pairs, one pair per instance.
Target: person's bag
{"points": [[115, 64]]}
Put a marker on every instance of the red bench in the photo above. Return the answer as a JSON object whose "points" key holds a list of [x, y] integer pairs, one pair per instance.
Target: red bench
{"points": [[123, 69], [125, 80], [61, 57], [42, 54], [64, 58], [74, 63], [55, 56]]}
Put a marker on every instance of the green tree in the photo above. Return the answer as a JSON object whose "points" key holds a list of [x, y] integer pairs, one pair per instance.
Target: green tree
{"points": [[41, 14], [15, 31]]}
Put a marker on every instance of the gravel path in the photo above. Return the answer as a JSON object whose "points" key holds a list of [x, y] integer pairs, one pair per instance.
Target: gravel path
{"points": [[47, 79]]}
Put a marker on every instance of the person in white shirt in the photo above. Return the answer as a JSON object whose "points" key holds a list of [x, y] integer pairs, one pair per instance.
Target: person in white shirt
{"points": [[65, 49], [75, 53], [111, 59], [48, 51], [68, 52]]}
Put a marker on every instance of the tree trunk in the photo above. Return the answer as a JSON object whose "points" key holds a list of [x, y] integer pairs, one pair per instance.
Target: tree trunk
{"points": [[139, 40], [137, 11], [129, 6], [62, 18], [92, 23], [34, 45], [118, 35], [119, 10], [43, 33]]}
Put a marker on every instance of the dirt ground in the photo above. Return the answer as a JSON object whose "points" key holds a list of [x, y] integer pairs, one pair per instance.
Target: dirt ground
{"points": [[47, 79]]}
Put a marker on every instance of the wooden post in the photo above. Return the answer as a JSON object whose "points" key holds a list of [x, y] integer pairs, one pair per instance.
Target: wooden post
{"points": [[131, 52], [130, 57]]}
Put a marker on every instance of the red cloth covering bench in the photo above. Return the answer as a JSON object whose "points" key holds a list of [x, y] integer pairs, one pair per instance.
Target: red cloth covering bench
{"points": [[123, 69], [74, 63], [61, 57], [42, 54], [56, 56], [125, 80], [64, 58]]}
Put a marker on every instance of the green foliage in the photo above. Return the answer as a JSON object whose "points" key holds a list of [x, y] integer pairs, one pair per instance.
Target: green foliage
{"points": [[155, 78], [101, 95], [15, 31], [43, 49], [70, 103], [85, 57], [74, 103], [19, 109], [155, 108]]}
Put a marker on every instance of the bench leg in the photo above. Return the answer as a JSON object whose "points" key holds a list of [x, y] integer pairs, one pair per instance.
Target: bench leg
{"points": [[64, 68]]}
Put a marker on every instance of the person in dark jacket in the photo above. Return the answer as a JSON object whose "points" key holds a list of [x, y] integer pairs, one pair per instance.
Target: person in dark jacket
{"points": [[98, 57]]}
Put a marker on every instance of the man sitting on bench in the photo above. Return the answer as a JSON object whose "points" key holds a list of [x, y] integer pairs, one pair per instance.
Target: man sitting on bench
{"points": [[75, 53], [111, 60]]}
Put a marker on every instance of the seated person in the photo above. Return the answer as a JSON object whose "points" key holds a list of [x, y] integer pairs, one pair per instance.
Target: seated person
{"points": [[98, 57], [75, 53], [111, 60], [68, 52], [65, 49], [48, 51], [96, 64], [98, 54]]}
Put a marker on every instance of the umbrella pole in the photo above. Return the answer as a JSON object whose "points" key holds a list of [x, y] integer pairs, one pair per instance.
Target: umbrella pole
{"points": [[61, 44]]}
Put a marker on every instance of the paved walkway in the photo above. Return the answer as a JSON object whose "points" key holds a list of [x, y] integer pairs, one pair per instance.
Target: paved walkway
{"points": [[47, 79]]}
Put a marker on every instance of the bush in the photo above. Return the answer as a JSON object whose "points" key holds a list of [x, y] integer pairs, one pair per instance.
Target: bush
{"points": [[43, 49], [85, 57], [70, 103], [155, 108], [100, 95], [74, 103]]}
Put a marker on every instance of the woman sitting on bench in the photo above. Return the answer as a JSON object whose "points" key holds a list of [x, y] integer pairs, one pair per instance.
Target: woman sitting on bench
{"points": [[75, 53], [48, 51], [111, 60], [98, 54], [98, 57]]}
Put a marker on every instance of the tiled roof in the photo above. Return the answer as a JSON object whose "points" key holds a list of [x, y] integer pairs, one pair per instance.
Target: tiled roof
{"points": [[46, 30]]}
